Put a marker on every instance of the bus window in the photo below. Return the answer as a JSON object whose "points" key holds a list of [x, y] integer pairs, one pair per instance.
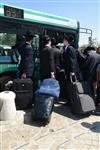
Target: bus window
{"points": [[5, 54], [6, 43], [7, 39]]}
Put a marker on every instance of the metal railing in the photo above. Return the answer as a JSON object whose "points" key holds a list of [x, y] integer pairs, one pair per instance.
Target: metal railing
{"points": [[86, 31]]}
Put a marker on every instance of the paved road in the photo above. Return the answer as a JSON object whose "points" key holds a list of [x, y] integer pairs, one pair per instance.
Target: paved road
{"points": [[65, 131]]}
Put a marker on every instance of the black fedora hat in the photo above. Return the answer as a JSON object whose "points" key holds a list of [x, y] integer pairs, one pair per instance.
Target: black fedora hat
{"points": [[29, 33], [66, 37]]}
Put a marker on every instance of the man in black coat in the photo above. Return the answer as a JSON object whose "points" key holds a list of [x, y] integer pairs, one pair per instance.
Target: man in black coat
{"points": [[69, 59], [57, 55], [91, 62], [47, 66], [89, 66], [26, 66]]}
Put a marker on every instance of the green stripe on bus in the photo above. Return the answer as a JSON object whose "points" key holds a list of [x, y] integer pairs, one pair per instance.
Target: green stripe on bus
{"points": [[8, 67], [1, 6], [44, 22], [41, 14], [1, 14], [46, 15]]}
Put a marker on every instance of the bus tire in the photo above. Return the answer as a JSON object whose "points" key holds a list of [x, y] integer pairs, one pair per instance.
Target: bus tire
{"points": [[3, 81]]}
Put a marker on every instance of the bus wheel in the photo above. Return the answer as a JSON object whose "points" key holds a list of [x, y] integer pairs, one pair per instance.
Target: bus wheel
{"points": [[3, 81]]}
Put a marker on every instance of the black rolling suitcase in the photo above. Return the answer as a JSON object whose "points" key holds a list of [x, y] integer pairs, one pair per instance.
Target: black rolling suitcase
{"points": [[24, 93], [80, 97], [44, 100], [43, 107]]}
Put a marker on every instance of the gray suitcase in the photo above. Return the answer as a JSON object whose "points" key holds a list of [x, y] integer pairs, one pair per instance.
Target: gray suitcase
{"points": [[81, 97]]}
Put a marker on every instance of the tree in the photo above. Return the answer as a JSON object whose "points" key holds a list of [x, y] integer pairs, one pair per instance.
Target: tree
{"points": [[7, 39], [93, 43]]}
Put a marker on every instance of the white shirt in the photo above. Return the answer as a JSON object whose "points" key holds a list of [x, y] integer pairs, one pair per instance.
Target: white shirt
{"points": [[66, 47]]}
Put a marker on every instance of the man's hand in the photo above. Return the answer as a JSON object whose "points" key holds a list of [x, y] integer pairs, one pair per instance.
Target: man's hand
{"points": [[23, 76], [73, 77], [72, 73], [52, 75]]}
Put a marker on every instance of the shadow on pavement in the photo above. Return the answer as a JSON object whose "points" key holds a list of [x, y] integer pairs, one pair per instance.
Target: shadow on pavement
{"points": [[95, 127], [65, 110], [60, 108]]}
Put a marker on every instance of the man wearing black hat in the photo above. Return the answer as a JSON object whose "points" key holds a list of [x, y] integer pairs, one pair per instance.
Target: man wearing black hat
{"points": [[69, 58], [47, 66], [57, 55], [26, 67]]}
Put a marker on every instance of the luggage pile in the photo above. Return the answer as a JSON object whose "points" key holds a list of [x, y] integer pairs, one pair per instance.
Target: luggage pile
{"points": [[78, 92], [44, 97]]}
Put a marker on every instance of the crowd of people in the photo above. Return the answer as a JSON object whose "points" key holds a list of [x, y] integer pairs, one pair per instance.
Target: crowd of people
{"points": [[61, 64]]}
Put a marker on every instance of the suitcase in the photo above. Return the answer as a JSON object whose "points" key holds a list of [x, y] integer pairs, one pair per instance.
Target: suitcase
{"points": [[43, 107], [24, 93], [80, 97]]}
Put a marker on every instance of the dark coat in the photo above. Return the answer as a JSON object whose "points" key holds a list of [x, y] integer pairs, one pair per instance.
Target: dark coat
{"points": [[57, 58], [90, 65], [70, 60], [27, 60], [46, 62]]}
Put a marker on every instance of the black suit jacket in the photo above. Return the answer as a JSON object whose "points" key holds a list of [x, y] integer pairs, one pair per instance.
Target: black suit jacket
{"points": [[46, 62], [90, 65], [27, 60], [70, 60], [57, 58]]}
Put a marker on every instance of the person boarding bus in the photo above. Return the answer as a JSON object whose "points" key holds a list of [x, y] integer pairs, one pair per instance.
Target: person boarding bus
{"points": [[47, 66], [26, 66]]}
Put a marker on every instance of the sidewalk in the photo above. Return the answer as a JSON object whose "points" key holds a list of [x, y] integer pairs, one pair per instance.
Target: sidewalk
{"points": [[65, 131]]}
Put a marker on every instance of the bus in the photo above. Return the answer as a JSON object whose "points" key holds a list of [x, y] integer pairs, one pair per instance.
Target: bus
{"points": [[15, 21]]}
